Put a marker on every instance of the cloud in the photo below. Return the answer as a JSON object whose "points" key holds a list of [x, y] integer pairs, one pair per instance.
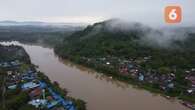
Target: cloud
{"points": [[161, 37], [164, 38], [150, 12]]}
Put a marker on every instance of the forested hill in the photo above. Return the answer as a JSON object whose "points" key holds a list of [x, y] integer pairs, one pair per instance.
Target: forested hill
{"points": [[116, 38]]}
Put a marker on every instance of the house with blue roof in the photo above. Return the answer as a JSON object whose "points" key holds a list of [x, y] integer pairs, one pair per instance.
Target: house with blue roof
{"points": [[30, 85]]}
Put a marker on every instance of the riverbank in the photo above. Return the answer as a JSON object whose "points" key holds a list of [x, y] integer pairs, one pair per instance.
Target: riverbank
{"points": [[67, 101], [26, 86], [107, 69], [98, 90]]}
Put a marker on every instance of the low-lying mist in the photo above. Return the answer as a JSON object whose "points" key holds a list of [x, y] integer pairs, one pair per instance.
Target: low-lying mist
{"points": [[158, 37]]}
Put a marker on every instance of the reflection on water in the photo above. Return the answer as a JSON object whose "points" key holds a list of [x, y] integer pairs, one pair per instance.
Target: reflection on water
{"points": [[99, 91]]}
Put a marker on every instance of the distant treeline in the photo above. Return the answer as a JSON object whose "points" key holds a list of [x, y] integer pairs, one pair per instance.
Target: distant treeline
{"points": [[48, 38], [41, 35]]}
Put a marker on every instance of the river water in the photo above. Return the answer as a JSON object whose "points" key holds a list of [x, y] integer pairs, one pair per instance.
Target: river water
{"points": [[99, 91]]}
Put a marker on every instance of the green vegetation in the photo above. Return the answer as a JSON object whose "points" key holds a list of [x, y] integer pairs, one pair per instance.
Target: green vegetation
{"points": [[42, 35], [17, 100], [13, 99], [16, 52], [15, 67], [97, 44], [43, 38], [2, 83], [113, 52], [27, 107]]}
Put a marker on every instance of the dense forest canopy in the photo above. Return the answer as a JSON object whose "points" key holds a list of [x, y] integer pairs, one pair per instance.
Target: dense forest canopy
{"points": [[155, 59], [113, 38]]}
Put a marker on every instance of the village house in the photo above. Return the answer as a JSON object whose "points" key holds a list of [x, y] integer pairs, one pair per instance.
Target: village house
{"points": [[36, 92], [191, 78], [31, 85]]}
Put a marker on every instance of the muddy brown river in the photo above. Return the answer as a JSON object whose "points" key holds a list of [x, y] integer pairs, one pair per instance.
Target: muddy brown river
{"points": [[99, 91]]}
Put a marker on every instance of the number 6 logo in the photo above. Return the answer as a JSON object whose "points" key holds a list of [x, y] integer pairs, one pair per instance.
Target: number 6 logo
{"points": [[173, 14]]}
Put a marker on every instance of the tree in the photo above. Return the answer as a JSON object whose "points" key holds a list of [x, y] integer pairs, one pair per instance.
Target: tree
{"points": [[164, 70]]}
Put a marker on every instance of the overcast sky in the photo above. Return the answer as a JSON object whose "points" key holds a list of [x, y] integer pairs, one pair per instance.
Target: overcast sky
{"points": [[90, 11]]}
